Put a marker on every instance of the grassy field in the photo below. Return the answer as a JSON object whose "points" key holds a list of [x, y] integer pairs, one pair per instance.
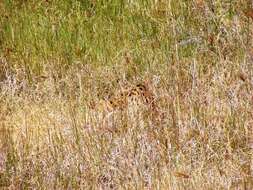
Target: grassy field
{"points": [[117, 94]]}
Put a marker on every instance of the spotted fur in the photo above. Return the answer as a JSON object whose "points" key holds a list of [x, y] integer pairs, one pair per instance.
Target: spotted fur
{"points": [[139, 94]]}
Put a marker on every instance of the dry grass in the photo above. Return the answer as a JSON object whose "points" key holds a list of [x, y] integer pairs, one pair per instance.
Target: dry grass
{"points": [[59, 75]]}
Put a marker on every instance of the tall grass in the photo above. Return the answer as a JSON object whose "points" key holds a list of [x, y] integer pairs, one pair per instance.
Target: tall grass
{"points": [[60, 61]]}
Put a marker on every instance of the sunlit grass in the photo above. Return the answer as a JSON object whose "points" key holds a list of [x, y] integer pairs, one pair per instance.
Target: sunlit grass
{"points": [[62, 61]]}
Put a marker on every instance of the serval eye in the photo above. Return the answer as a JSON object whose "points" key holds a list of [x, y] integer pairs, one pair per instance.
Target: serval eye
{"points": [[111, 102], [141, 87]]}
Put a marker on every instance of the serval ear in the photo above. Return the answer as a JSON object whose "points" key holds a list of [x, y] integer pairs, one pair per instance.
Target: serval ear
{"points": [[148, 83]]}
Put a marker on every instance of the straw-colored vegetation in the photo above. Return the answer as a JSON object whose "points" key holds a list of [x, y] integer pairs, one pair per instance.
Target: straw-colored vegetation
{"points": [[117, 94]]}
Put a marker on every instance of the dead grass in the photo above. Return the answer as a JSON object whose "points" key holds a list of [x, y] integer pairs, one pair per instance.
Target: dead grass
{"points": [[56, 131]]}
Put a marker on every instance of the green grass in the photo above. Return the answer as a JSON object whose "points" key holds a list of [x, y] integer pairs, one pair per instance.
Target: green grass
{"points": [[60, 61]]}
